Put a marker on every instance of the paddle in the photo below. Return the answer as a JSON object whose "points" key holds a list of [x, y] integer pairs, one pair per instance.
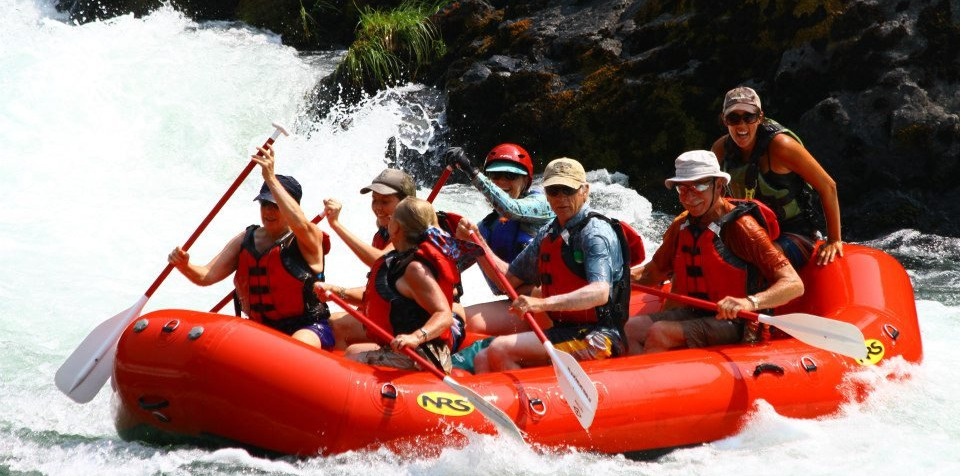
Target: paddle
{"points": [[576, 386], [440, 181], [85, 371], [830, 334], [503, 423]]}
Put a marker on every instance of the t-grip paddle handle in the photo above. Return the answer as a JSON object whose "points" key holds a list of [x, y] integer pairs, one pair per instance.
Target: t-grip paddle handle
{"points": [[278, 129]]}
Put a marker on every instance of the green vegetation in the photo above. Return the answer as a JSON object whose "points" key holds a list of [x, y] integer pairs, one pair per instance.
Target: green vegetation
{"points": [[392, 45]]}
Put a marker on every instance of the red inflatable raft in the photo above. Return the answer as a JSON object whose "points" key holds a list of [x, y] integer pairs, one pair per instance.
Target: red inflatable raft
{"points": [[209, 379]]}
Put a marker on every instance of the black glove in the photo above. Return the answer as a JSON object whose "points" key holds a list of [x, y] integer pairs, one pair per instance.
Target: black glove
{"points": [[457, 158]]}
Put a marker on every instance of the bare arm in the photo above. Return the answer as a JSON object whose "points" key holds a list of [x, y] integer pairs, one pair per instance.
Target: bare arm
{"points": [[366, 252], [309, 236], [787, 287], [418, 283], [788, 155], [215, 271], [592, 295]]}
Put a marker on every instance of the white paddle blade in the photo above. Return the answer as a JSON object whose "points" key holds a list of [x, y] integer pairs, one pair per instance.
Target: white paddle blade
{"points": [[504, 424], [836, 336], [578, 389], [83, 374]]}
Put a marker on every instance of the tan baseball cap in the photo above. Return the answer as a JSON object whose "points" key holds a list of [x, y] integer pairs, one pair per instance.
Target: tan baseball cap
{"points": [[392, 181], [742, 98], [564, 171]]}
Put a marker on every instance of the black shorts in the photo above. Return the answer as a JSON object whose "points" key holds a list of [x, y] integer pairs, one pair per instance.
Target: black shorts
{"points": [[702, 328]]}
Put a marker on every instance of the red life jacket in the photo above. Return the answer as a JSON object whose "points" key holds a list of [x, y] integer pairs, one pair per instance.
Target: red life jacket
{"points": [[562, 272], [394, 312], [381, 239], [276, 287], [703, 266]]}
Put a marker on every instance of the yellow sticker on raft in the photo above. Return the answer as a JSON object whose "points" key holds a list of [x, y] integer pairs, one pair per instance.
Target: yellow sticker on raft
{"points": [[441, 403], [874, 352]]}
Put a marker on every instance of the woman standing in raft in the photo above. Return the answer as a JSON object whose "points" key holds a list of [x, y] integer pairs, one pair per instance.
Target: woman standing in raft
{"points": [[409, 291], [777, 170]]}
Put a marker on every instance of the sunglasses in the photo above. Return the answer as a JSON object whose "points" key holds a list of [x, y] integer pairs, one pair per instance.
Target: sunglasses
{"points": [[701, 186], [503, 175], [555, 190], [734, 119]]}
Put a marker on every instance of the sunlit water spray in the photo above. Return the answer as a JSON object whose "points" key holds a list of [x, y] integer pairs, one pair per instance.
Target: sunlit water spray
{"points": [[120, 136]]}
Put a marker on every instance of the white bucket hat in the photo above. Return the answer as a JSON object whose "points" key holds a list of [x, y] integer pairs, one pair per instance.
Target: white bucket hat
{"points": [[695, 165]]}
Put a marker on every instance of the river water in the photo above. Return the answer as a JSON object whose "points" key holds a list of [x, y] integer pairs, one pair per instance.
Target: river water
{"points": [[121, 135]]}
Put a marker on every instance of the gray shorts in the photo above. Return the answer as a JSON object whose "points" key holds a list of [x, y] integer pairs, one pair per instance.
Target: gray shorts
{"points": [[385, 356], [702, 328]]}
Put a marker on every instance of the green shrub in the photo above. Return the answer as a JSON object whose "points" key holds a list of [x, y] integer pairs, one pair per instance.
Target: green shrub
{"points": [[392, 45]]}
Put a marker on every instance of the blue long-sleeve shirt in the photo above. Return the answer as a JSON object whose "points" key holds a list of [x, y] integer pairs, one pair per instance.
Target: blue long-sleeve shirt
{"points": [[531, 211], [597, 241]]}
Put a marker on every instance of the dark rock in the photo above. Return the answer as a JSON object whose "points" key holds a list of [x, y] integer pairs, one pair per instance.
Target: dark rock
{"points": [[871, 87]]}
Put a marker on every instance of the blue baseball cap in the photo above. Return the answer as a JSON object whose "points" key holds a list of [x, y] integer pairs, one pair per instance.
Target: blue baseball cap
{"points": [[290, 184]]}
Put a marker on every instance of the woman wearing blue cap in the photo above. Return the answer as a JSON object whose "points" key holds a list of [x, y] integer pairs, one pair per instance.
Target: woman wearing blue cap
{"points": [[276, 263]]}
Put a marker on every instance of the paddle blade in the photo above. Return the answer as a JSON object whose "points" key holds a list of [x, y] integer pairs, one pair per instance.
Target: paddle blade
{"points": [[578, 389], [504, 424], [83, 374], [836, 336]]}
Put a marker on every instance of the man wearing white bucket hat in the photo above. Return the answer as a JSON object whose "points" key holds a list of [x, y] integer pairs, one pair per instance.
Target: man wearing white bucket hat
{"points": [[715, 250]]}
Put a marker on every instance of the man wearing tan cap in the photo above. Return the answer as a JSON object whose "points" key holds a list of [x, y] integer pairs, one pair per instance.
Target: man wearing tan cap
{"points": [[578, 263], [733, 271]]}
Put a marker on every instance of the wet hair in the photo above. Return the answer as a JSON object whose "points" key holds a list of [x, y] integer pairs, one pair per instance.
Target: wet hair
{"points": [[415, 216]]}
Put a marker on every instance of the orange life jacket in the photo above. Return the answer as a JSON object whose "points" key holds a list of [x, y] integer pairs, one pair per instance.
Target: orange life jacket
{"points": [[561, 272], [392, 311], [276, 287], [703, 266]]}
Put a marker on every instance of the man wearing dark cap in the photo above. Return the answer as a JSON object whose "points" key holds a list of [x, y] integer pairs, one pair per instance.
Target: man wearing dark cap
{"points": [[276, 263]]}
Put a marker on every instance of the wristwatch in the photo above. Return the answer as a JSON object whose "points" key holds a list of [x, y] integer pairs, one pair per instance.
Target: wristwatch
{"points": [[423, 333], [756, 302]]}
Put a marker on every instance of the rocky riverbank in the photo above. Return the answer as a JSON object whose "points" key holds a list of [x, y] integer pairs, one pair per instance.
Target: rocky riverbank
{"points": [[872, 87]]}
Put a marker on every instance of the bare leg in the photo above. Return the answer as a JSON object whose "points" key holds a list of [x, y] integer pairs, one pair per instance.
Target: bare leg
{"points": [[310, 337], [356, 349], [664, 335], [637, 328], [513, 352], [346, 330], [492, 318]]}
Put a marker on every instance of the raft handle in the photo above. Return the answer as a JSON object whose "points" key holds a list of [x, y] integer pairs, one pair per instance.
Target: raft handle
{"points": [[152, 405], [891, 331], [808, 364], [388, 390], [171, 326], [538, 406], [772, 368]]}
